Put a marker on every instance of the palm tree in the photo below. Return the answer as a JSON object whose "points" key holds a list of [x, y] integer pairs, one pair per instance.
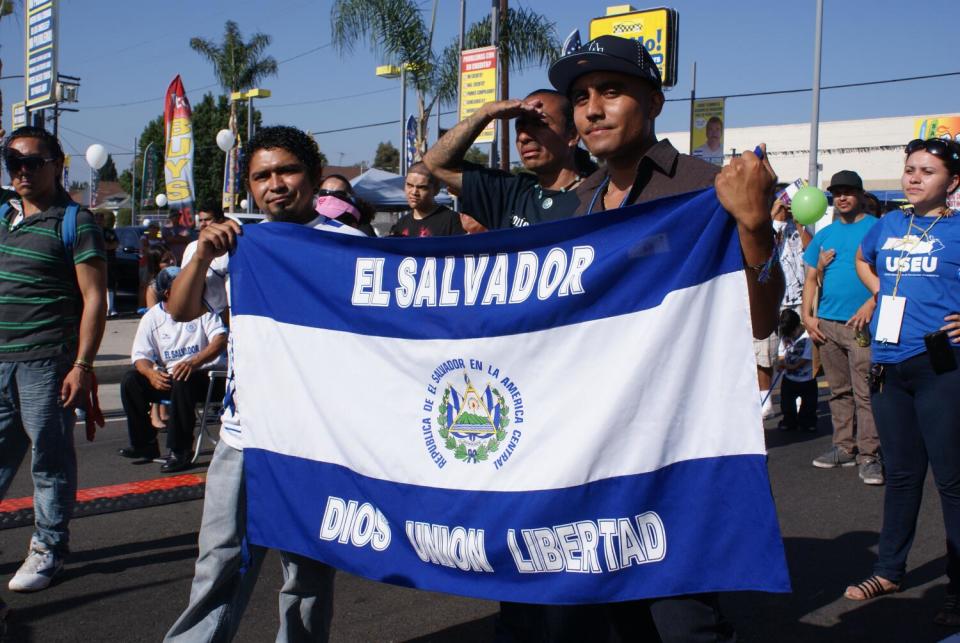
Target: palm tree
{"points": [[398, 30], [238, 65]]}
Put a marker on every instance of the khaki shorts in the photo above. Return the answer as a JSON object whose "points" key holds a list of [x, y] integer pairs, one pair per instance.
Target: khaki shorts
{"points": [[765, 350]]}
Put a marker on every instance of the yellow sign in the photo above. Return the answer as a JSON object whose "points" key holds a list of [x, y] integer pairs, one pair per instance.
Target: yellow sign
{"points": [[18, 115], [478, 85], [657, 29], [946, 127], [706, 135]]}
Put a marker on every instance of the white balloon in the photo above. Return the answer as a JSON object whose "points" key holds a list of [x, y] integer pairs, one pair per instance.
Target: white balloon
{"points": [[243, 204], [161, 200], [96, 156], [225, 140]]}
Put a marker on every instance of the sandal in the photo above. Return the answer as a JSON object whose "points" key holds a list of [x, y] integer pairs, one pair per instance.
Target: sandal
{"points": [[949, 613], [873, 587]]}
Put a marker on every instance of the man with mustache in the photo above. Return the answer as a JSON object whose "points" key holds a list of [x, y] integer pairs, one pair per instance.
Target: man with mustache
{"points": [[547, 144]]}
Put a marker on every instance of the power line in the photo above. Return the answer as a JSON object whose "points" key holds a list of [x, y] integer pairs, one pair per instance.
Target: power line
{"points": [[334, 98], [200, 89], [356, 127], [810, 89]]}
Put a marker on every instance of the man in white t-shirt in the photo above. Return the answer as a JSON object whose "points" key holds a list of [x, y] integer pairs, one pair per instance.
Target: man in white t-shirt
{"points": [[215, 298], [171, 362], [282, 168]]}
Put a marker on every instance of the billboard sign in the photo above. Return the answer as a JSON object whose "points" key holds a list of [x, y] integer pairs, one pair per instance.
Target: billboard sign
{"points": [[478, 85], [706, 135], [658, 30], [40, 58], [946, 127]]}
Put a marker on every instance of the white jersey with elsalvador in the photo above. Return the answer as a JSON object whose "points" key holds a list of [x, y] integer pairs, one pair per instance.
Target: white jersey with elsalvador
{"points": [[230, 431], [166, 342], [793, 352]]}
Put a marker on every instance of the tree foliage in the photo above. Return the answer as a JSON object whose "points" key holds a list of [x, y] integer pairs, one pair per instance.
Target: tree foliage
{"points": [[238, 65], [387, 157], [109, 170], [398, 30], [476, 155]]}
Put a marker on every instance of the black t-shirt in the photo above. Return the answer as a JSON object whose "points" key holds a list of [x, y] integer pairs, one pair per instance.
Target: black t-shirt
{"points": [[499, 199], [442, 222]]}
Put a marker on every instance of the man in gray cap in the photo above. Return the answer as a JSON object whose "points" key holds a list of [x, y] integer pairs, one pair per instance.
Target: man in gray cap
{"points": [[837, 319], [616, 91]]}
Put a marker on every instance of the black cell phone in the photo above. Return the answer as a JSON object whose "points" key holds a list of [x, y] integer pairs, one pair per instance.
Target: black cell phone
{"points": [[942, 357]]}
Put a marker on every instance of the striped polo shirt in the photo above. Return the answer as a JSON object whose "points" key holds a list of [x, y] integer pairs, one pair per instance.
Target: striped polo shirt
{"points": [[40, 301]]}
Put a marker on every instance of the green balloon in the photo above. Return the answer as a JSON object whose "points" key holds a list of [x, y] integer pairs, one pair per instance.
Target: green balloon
{"points": [[808, 205]]}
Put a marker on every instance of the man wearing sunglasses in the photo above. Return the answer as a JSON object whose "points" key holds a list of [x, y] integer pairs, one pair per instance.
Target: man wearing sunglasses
{"points": [[51, 322]]}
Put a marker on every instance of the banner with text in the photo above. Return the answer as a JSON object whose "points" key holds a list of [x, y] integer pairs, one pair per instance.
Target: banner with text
{"points": [[562, 413], [178, 152], [478, 85], [40, 55]]}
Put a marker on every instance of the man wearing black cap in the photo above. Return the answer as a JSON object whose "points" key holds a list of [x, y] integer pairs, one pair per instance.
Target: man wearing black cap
{"points": [[838, 321], [616, 92]]}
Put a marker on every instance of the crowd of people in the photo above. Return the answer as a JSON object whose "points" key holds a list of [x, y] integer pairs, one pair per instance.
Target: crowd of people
{"points": [[872, 299]]}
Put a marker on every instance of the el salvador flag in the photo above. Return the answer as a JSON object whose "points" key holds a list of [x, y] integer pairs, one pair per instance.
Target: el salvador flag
{"points": [[564, 413]]}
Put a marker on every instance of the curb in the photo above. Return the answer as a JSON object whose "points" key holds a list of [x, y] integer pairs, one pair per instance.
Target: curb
{"points": [[122, 497]]}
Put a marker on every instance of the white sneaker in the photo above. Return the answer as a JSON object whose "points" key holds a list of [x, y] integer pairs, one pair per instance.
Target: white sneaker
{"points": [[37, 570]]}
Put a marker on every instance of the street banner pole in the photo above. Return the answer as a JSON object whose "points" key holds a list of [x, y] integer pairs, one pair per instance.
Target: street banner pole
{"points": [[812, 175]]}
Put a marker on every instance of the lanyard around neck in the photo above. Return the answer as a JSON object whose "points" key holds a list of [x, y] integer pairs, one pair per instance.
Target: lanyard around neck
{"points": [[602, 190], [905, 250]]}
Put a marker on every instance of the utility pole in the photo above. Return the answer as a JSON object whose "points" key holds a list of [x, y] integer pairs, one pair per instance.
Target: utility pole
{"points": [[503, 60], [495, 42], [813, 173], [133, 185], [693, 100]]}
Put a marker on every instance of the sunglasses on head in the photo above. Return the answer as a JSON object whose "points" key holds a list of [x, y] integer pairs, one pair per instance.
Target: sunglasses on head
{"points": [[938, 147], [28, 163], [340, 194]]}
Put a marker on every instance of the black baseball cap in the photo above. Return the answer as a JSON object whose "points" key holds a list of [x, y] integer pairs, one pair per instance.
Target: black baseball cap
{"points": [[606, 53], [846, 179]]}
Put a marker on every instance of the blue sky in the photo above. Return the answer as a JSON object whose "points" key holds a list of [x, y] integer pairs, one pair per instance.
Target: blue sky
{"points": [[126, 53]]}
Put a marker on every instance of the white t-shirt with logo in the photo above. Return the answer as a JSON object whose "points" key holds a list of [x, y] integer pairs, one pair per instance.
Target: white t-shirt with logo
{"points": [[166, 342], [218, 288]]}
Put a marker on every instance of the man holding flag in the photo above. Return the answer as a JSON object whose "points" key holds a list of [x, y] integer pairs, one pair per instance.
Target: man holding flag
{"points": [[616, 91], [283, 170]]}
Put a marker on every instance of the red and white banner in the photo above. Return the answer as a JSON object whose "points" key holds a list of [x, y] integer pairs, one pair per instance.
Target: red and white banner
{"points": [[178, 152]]}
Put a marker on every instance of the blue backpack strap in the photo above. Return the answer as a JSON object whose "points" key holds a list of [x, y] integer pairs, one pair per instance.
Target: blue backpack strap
{"points": [[69, 230], [4, 209]]}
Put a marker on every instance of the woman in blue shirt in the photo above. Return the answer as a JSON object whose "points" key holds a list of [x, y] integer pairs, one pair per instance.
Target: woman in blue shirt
{"points": [[910, 261]]}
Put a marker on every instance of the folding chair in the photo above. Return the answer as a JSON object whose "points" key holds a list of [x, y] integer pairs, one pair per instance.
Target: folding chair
{"points": [[212, 407]]}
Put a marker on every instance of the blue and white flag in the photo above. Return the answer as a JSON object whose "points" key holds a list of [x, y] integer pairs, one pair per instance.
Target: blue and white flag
{"points": [[564, 413]]}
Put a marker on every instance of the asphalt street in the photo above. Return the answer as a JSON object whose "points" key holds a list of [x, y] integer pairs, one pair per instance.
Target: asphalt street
{"points": [[129, 573]]}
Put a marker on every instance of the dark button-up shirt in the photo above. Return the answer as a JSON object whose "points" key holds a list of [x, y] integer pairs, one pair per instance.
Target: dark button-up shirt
{"points": [[663, 171]]}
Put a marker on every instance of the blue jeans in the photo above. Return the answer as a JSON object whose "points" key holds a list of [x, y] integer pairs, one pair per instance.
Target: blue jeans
{"points": [[30, 413], [918, 419], [227, 568]]}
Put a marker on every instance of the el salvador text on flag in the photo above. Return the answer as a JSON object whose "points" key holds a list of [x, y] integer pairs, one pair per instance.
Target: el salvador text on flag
{"points": [[565, 413]]}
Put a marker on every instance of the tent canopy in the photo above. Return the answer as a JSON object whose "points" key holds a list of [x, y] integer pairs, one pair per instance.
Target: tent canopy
{"points": [[384, 190]]}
